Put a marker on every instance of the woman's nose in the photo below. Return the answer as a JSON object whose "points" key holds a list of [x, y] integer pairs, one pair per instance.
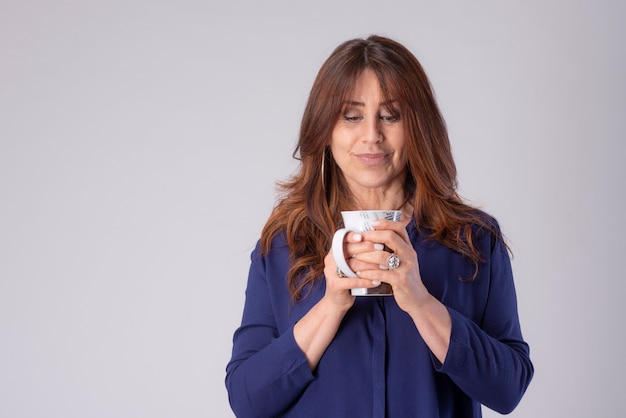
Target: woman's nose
{"points": [[372, 131]]}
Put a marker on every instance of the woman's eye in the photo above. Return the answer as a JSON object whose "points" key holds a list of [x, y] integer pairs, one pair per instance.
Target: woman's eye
{"points": [[389, 118], [352, 118]]}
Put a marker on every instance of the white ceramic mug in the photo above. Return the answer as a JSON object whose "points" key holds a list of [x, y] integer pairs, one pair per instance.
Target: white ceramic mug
{"points": [[359, 221]]}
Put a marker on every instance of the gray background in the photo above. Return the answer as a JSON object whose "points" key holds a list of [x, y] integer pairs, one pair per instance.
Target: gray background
{"points": [[139, 146]]}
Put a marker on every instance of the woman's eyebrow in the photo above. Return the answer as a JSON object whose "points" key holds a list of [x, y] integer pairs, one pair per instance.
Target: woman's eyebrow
{"points": [[357, 103]]}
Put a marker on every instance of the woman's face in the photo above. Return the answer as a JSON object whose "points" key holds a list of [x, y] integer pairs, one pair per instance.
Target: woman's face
{"points": [[368, 140]]}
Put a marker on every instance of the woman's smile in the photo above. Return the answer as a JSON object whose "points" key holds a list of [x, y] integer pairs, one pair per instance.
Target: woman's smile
{"points": [[372, 159]]}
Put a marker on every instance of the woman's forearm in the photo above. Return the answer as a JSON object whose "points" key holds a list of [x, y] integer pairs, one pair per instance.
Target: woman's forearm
{"points": [[315, 331], [434, 324]]}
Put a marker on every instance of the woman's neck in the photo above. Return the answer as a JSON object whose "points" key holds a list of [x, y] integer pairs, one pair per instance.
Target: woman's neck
{"points": [[380, 200]]}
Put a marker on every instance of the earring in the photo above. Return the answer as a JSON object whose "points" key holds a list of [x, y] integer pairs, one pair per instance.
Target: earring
{"points": [[322, 171]]}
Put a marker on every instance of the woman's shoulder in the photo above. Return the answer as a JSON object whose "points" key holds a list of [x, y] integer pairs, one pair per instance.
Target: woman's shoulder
{"points": [[275, 244], [487, 230], [482, 220]]}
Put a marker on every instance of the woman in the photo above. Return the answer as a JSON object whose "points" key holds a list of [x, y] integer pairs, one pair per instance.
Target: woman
{"points": [[449, 338]]}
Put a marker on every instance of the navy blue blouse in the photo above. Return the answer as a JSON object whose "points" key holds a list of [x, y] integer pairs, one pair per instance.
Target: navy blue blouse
{"points": [[378, 365]]}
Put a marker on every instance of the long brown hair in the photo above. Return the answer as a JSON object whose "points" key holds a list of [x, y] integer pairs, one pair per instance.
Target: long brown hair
{"points": [[308, 209]]}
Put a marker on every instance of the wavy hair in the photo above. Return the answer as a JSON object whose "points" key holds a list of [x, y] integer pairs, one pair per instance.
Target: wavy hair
{"points": [[310, 201]]}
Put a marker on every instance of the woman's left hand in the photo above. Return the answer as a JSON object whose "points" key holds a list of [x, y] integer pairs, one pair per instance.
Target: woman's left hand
{"points": [[406, 281], [430, 316]]}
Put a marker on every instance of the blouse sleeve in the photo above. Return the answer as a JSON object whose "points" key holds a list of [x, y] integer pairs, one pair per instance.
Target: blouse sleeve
{"points": [[490, 362], [267, 370]]}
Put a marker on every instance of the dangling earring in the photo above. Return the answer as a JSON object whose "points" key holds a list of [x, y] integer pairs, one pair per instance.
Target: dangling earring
{"points": [[322, 171]]}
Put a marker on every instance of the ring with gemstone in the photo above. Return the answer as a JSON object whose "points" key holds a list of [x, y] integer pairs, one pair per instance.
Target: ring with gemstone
{"points": [[393, 262], [340, 273]]}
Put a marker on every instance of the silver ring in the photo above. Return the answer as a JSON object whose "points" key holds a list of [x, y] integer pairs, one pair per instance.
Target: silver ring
{"points": [[393, 262], [340, 273]]}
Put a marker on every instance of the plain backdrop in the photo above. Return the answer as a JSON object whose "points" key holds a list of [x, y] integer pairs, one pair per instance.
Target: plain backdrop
{"points": [[140, 141]]}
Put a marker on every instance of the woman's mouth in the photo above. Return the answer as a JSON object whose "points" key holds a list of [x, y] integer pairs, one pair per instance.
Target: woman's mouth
{"points": [[372, 159]]}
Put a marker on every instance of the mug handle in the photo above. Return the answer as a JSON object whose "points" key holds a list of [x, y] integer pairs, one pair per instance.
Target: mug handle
{"points": [[340, 258]]}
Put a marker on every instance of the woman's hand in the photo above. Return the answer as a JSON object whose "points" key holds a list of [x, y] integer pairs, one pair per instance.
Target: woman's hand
{"points": [[315, 330], [370, 262], [338, 288], [430, 316]]}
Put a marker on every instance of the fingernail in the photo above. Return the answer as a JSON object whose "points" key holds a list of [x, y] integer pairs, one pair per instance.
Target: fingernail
{"points": [[379, 247], [383, 267], [374, 223], [375, 282], [357, 237]]}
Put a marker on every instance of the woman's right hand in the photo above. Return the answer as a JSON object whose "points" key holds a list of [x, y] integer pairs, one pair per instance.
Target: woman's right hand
{"points": [[338, 288], [315, 330]]}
